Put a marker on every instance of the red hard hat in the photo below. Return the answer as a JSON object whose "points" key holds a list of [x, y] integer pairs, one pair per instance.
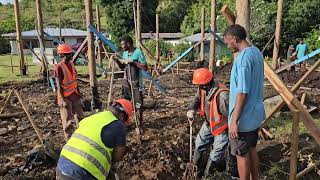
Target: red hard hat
{"points": [[64, 49], [127, 105], [202, 76]]}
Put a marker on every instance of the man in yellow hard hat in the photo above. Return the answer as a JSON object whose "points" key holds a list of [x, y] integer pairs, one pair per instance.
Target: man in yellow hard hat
{"points": [[212, 100], [68, 95], [97, 144]]}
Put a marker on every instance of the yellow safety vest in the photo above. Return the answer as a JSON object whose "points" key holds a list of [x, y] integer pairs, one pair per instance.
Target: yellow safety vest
{"points": [[85, 147]]}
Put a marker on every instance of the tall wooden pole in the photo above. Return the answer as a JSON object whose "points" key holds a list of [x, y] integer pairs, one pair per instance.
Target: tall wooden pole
{"points": [[294, 144], [138, 22], [99, 29], [41, 35], [277, 36], [91, 56], [60, 34], [213, 39], [243, 15], [157, 39], [202, 53], [23, 71]]}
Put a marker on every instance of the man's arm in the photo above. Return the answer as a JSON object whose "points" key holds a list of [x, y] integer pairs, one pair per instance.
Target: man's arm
{"points": [[240, 102], [140, 65], [195, 104], [224, 103], [118, 153]]}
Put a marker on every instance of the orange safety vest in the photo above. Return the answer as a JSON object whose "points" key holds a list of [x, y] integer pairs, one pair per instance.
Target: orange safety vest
{"points": [[218, 122], [69, 82]]}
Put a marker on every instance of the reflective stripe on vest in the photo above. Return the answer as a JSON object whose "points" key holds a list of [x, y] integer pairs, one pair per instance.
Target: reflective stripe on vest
{"points": [[85, 147], [202, 95], [69, 82], [218, 122]]}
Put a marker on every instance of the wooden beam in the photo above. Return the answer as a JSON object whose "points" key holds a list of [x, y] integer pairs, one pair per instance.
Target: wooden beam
{"points": [[292, 102], [157, 39], [23, 70], [83, 44], [41, 40], [243, 15], [202, 53], [308, 169], [111, 81], [293, 90], [99, 29], [228, 14], [213, 39], [277, 36], [294, 144]]}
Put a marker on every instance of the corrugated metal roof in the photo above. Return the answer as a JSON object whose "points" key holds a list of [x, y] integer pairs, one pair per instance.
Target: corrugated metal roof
{"points": [[198, 37], [65, 32], [152, 35]]}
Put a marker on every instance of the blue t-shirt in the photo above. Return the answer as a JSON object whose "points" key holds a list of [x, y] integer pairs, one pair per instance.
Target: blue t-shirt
{"points": [[138, 56], [112, 135], [301, 50], [247, 76]]}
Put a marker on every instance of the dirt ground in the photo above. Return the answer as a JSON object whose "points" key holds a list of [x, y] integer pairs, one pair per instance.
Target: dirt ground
{"points": [[165, 143]]}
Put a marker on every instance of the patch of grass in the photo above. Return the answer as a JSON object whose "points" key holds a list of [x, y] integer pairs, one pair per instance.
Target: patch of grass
{"points": [[13, 74], [282, 125]]}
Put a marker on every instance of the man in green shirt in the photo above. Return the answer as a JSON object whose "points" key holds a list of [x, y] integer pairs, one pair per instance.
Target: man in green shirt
{"points": [[134, 59]]}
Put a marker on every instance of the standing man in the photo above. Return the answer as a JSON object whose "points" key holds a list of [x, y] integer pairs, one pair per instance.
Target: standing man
{"points": [[68, 95], [134, 59], [301, 50], [246, 109], [212, 100], [96, 145], [290, 55]]}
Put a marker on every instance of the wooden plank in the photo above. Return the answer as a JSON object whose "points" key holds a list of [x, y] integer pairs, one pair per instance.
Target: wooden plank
{"points": [[308, 169], [228, 14], [294, 144], [292, 102], [293, 90]]}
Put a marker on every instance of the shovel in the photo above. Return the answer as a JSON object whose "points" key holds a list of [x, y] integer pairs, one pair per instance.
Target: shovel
{"points": [[191, 169]]}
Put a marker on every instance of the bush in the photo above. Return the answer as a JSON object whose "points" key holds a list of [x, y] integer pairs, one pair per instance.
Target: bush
{"points": [[165, 47], [313, 38]]}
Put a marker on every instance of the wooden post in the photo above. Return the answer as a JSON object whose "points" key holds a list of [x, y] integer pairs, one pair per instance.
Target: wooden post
{"points": [[23, 71], [99, 29], [91, 56], [213, 39], [138, 22], [243, 15], [277, 36], [157, 40], [228, 14], [294, 144], [60, 34], [202, 53], [41, 39]]}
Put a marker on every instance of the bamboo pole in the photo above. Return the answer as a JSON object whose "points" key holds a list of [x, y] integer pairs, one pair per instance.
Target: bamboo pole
{"points": [[213, 39], [277, 36], [23, 71]]}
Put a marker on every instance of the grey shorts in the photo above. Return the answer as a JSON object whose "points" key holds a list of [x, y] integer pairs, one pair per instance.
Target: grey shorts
{"points": [[244, 142]]}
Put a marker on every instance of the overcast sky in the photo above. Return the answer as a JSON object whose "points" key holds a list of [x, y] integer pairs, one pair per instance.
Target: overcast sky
{"points": [[6, 1]]}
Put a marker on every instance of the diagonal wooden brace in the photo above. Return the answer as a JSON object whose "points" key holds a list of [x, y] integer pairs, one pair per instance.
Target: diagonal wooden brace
{"points": [[292, 101]]}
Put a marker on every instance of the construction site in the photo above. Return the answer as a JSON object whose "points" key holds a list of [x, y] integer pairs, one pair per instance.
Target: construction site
{"points": [[32, 135]]}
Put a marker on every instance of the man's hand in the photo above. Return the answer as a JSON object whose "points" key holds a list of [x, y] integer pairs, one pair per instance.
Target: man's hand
{"points": [[190, 114], [129, 61], [61, 102], [233, 130]]}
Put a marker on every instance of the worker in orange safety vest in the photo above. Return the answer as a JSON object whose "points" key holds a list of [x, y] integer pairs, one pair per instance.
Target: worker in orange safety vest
{"points": [[68, 95], [212, 99]]}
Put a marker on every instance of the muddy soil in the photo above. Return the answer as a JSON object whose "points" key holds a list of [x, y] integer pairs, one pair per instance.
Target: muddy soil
{"points": [[165, 143]]}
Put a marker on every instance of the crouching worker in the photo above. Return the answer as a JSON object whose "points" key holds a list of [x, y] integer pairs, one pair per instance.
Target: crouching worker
{"points": [[212, 100], [96, 145]]}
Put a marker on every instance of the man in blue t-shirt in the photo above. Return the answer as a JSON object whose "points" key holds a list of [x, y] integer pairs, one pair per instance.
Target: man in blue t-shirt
{"points": [[134, 59], [301, 50], [246, 109]]}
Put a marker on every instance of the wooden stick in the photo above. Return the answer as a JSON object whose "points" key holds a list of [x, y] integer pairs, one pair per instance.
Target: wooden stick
{"points": [[83, 44], [294, 144], [7, 101], [16, 114], [39, 134], [213, 44], [308, 169], [202, 53], [265, 47], [111, 84]]}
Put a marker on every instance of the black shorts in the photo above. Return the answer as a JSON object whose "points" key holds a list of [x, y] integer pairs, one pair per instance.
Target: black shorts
{"points": [[244, 142]]}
